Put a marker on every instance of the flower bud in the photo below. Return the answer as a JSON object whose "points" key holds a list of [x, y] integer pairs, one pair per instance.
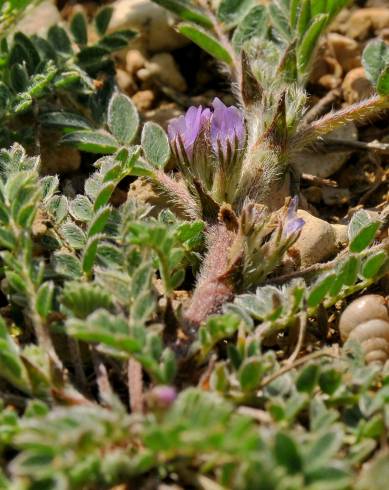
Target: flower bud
{"points": [[292, 223], [161, 397]]}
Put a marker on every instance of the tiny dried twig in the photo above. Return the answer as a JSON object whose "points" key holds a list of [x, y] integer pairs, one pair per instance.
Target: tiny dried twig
{"points": [[314, 179], [299, 362], [335, 145], [300, 339], [105, 389], [319, 268], [257, 414]]}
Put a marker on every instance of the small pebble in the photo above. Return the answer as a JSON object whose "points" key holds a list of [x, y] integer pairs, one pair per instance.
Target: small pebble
{"points": [[163, 114], [134, 61], [317, 241], [356, 86], [345, 49], [144, 100], [164, 67], [363, 21], [124, 80], [154, 24]]}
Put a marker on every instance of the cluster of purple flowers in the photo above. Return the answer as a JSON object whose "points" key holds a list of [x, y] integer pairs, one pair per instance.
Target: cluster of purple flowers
{"points": [[224, 127], [223, 130]]}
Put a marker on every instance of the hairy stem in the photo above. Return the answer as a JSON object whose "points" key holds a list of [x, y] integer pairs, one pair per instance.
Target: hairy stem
{"points": [[358, 112], [213, 288], [235, 67], [177, 194]]}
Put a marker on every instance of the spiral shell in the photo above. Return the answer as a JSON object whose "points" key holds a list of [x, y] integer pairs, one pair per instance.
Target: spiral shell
{"points": [[367, 321]]}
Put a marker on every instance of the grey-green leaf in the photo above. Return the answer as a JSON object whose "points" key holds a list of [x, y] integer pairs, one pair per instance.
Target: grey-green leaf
{"points": [[375, 58], [89, 255], [67, 265], [383, 82], [373, 264], [365, 237], [250, 374], [231, 12], [287, 453], [59, 39], [63, 119], [255, 24], [123, 118], [155, 144], [44, 299], [92, 141], [81, 208], [99, 221], [320, 289], [74, 235]]}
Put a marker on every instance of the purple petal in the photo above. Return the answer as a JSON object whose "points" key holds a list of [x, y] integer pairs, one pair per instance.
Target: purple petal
{"points": [[193, 124], [176, 127], [227, 124], [293, 223], [188, 127], [205, 117], [293, 205], [293, 226]]}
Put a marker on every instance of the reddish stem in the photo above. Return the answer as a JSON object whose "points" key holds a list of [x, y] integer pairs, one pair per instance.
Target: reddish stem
{"points": [[213, 288]]}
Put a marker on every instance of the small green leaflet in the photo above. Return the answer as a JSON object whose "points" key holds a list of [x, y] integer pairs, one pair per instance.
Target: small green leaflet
{"points": [[155, 144], [375, 59], [123, 118], [184, 10], [92, 141], [207, 42]]}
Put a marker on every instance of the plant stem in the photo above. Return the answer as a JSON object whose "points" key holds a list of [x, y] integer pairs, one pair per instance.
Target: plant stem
{"points": [[213, 288], [316, 269], [40, 327], [235, 69], [358, 112], [135, 385], [310, 357]]}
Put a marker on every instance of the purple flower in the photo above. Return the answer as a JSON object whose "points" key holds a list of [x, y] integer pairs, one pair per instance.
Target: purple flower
{"points": [[292, 224], [227, 128], [187, 128]]}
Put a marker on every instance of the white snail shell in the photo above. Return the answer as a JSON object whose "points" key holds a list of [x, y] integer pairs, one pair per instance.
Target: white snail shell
{"points": [[367, 321]]}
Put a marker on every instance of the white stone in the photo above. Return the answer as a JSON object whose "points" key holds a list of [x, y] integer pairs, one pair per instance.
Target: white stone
{"points": [[154, 24], [164, 67], [325, 164], [39, 19], [317, 242]]}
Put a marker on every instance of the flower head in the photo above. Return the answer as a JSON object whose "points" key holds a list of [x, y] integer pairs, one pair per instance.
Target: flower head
{"points": [[187, 128], [227, 128], [292, 224]]}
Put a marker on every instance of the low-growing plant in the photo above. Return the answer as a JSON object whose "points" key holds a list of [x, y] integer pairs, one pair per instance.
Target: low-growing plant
{"points": [[93, 322], [59, 81]]}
